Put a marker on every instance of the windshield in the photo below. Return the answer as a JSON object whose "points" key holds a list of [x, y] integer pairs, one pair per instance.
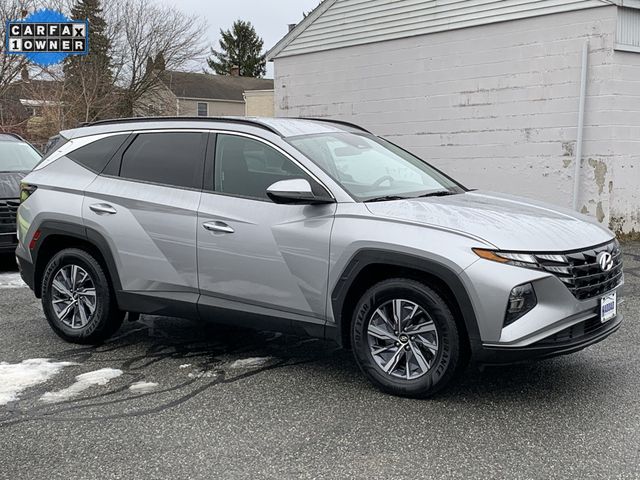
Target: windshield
{"points": [[370, 168], [17, 157]]}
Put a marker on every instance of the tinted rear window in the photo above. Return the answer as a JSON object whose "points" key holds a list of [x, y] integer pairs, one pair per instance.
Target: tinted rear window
{"points": [[96, 155], [170, 158]]}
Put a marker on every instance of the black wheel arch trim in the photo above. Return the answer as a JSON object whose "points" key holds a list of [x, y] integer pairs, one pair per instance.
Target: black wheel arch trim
{"points": [[50, 228], [365, 257]]}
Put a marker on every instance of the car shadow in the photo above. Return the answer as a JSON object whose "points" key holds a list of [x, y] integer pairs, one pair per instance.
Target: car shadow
{"points": [[190, 358], [211, 348]]}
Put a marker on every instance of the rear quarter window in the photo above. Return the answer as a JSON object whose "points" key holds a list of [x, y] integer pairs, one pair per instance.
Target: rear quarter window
{"points": [[96, 155]]}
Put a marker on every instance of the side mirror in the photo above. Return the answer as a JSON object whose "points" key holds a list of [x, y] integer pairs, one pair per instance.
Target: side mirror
{"points": [[295, 190]]}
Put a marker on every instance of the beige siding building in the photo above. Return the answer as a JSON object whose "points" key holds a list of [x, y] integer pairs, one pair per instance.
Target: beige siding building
{"points": [[259, 103], [487, 90], [188, 94]]}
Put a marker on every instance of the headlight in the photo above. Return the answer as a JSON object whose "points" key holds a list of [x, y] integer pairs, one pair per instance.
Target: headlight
{"points": [[518, 259]]}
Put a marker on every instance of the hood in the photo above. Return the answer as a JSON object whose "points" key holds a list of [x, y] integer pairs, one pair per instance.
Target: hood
{"points": [[10, 184], [507, 222]]}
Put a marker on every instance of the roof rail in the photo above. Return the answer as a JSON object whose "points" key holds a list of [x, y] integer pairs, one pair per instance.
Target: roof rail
{"points": [[338, 122], [244, 121]]}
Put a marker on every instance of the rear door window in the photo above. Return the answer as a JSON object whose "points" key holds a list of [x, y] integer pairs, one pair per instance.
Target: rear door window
{"points": [[168, 158]]}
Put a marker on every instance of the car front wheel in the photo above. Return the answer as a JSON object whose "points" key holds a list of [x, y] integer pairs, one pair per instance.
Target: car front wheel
{"points": [[405, 338]]}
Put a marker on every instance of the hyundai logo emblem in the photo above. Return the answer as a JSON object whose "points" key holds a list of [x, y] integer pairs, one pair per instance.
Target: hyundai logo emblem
{"points": [[605, 260]]}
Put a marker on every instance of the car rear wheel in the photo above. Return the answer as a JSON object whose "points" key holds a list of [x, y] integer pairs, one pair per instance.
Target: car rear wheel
{"points": [[405, 338], [77, 298]]}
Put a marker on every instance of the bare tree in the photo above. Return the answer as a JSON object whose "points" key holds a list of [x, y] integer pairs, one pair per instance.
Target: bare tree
{"points": [[47, 91], [11, 65], [89, 79], [139, 30]]}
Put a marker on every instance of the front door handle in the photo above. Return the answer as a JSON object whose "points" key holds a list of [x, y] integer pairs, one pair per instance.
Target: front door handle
{"points": [[101, 208], [218, 227]]}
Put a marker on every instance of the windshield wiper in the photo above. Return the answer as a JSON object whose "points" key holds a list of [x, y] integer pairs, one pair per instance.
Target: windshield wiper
{"points": [[385, 198], [439, 193]]}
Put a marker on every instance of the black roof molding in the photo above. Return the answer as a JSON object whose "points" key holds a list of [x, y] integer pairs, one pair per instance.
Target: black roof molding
{"points": [[243, 121], [14, 136]]}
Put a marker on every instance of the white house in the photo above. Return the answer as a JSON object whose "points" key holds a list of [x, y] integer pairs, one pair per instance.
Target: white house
{"points": [[487, 90]]}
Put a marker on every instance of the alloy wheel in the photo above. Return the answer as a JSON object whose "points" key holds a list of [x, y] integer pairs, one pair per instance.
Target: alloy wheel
{"points": [[74, 296], [403, 339]]}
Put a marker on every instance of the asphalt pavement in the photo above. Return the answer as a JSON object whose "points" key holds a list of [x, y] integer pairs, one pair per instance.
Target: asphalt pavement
{"points": [[212, 402]]}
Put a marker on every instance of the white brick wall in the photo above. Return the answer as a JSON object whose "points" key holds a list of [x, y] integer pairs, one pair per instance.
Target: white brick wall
{"points": [[494, 105], [623, 121]]}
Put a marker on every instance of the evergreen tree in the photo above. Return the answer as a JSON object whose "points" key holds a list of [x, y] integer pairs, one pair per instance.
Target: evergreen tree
{"points": [[240, 47], [89, 78]]}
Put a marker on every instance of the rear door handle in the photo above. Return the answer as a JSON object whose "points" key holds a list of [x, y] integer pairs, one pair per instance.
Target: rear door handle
{"points": [[100, 208], [218, 227]]}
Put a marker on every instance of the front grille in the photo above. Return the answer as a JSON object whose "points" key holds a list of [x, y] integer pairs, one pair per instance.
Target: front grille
{"points": [[582, 329], [8, 214], [581, 272]]}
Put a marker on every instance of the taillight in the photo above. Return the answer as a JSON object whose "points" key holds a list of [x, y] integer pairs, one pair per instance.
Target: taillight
{"points": [[26, 191]]}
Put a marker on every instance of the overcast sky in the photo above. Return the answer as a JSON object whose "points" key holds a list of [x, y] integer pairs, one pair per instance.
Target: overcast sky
{"points": [[269, 17]]}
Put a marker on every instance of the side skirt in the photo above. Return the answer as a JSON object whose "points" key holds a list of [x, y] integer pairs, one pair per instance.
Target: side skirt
{"points": [[218, 310]]}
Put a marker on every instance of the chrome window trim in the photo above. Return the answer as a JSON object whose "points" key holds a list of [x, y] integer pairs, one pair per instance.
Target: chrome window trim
{"points": [[79, 142], [240, 134], [74, 144]]}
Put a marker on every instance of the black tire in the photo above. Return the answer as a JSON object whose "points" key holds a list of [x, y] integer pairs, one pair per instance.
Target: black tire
{"points": [[444, 364], [105, 319]]}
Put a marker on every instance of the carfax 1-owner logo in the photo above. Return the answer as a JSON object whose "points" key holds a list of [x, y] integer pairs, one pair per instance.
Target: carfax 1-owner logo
{"points": [[47, 37]]}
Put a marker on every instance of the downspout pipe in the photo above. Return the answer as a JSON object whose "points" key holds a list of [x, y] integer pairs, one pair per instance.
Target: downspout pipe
{"points": [[583, 95]]}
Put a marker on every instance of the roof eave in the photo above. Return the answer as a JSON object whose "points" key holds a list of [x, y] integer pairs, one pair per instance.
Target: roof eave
{"points": [[299, 28], [206, 99], [277, 49], [627, 3]]}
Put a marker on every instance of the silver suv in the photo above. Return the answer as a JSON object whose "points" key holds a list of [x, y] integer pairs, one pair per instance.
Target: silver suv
{"points": [[309, 226]]}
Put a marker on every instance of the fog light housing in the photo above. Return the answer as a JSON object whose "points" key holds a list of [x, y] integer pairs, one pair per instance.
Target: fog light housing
{"points": [[522, 299]]}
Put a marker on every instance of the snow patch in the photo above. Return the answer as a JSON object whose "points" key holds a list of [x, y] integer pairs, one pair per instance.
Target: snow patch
{"points": [[203, 374], [84, 381], [250, 362], [17, 377], [143, 387], [11, 280]]}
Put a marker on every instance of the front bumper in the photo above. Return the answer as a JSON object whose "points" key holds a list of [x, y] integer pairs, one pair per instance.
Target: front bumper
{"points": [[569, 340], [559, 324]]}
